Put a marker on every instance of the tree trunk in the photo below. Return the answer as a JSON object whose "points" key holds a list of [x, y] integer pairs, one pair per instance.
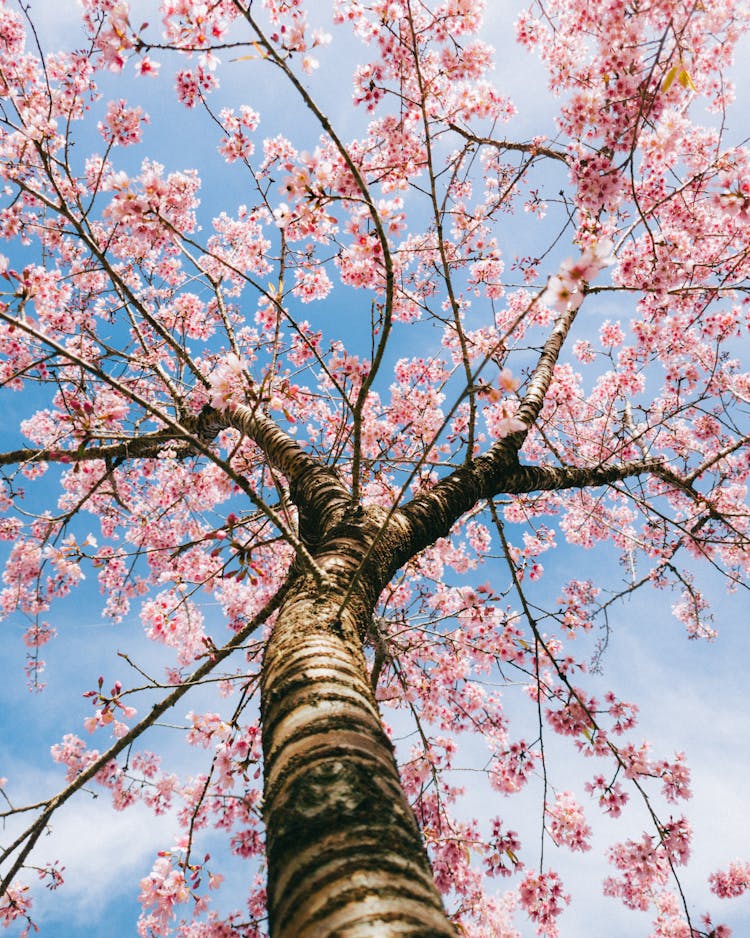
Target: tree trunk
{"points": [[345, 853]]}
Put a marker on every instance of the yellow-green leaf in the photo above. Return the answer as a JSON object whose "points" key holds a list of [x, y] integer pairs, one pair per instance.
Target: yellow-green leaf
{"points": [[685, 80], [670, 77], [248, 58], [681, 74]]}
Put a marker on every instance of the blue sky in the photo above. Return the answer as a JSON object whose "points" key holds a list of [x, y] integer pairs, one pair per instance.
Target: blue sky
{"points": [[691, 696]]}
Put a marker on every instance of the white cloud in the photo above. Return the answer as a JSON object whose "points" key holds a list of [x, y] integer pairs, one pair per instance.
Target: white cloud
{"points": [[104, 853]]}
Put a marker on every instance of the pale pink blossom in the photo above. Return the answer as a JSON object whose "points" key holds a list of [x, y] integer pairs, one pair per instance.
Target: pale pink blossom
{"points": [[561, 295], [162, 891], [147, 66], [177, 622], [731, 882], [612, 799], [282, 215], [506, 422], [122, 125], [565, 290], [226, 383], [566, 822], [15, 903]]}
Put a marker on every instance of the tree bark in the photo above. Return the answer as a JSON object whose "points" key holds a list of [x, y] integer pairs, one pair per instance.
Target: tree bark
{"points": [[345, 853]]}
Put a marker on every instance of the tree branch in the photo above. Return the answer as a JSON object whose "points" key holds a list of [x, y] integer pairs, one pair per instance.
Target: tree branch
{"points": [[379, 229], [532, 149], [32, 833], [536, 390], [498, 471], [432, 514], [143, 447], [199, 431], [557, 478], [314, 488]]}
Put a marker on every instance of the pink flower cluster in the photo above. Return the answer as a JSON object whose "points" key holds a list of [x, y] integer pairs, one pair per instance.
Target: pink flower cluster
{"points": [[733, 881], [566, 822], [612, 799], [227, 383], [175, 620], [15, 903], [162, 890], [543, 898], [502, 857], [114, 39], [566, 289], [645, 865], [122, 125], [110, 706]]}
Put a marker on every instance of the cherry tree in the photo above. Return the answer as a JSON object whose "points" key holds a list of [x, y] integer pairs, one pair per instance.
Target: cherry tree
{"points": [[318, 442]]}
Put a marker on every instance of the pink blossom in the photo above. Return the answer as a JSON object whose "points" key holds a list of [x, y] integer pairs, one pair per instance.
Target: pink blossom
{"points": [[567, 824], [561, 294], [39, 634], [507, 381], [15, 903], [511, 768], [542, 896], [73, 753], [177, 622], [612, 799], [643, 865], [115, 38], [565, 290], [146, 66], [611, 334], [312, 285], [226, 382], [192, 85], [502, 421], [283, 215], [122, 125], [161, 891], [503, 857], [731, 882]]}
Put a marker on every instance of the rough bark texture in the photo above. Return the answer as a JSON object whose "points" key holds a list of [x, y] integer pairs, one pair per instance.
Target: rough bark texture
{"points": [[345, 854]]}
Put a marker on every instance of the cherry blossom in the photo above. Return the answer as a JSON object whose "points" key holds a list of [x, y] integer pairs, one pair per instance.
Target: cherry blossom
{"points": [[567, 824], [327, 426], [565, 290], [226, 382], [732, 882], [542, 896]]}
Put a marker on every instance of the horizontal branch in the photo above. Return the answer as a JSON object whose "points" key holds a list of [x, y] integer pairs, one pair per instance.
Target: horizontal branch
{"points": [[558, 478], [282, 451], [148, 446], [188, 438], [433, 513], [192, 436], [533, 149]]}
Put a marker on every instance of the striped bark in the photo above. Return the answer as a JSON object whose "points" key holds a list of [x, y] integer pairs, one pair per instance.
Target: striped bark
{"points": [[345, 854]]}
